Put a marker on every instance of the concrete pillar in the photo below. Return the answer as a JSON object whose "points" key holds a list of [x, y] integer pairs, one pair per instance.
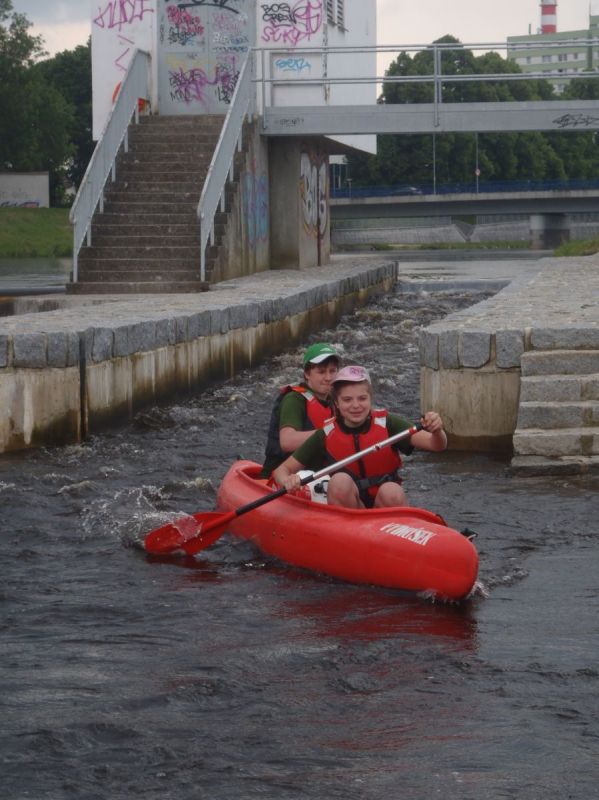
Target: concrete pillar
{"points": [[549, 230], [299, 203]]}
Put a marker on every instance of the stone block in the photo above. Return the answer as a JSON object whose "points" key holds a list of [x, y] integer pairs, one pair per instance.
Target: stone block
{"points": [[141, 336], [429, 349], [560, 362], [555, 388], [3, 351], [509, 346], [29, 350], [102, 346], [121, 341], [181, 330], [448, 349], [199, 325], [550, 415], [474, 348], [565, 338], [73, 349], [58, 348]]}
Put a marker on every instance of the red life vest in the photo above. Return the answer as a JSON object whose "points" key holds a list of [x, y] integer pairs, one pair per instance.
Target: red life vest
{"points": [[384, 462], [315, 411]]}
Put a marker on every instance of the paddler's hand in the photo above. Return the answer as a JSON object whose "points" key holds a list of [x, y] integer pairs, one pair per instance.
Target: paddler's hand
{"points": [[292, 483], [432, 422]]}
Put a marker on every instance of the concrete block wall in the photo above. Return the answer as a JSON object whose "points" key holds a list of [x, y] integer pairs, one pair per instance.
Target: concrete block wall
{"points": [[83, 367], [519, 372]]}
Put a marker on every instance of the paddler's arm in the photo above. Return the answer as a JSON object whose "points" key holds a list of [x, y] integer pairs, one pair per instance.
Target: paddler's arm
{"points": [[433, 437], [285, 474], [290, 439]]}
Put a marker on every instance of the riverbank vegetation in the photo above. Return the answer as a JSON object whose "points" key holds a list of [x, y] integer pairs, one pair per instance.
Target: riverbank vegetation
{"points": [[580, 247], [35, 232]]}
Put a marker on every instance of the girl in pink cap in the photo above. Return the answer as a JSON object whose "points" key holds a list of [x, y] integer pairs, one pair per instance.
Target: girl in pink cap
{"points": [[372, 481]]}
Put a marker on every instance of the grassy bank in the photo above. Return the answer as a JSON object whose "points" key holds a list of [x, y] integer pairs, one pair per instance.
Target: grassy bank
{"points": [[582, 247], [35, 232]]}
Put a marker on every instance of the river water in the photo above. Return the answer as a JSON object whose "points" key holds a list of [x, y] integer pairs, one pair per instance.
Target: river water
{"points": [[233, 677]]}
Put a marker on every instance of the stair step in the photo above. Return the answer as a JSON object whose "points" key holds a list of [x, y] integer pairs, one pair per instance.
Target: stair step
{"points": [[141, 287], [566, 465], [119, 237], [559, 387], [140, 275], [141, 251], [556, 443], [552, 414], [560, 362]]}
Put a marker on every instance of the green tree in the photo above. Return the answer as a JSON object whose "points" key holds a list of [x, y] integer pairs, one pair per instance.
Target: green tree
{"points": [[69, 72], [34, 117], [501, 156]]}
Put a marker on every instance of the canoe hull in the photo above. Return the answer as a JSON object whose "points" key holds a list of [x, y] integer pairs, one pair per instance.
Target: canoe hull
{"points": [[402, 548]]}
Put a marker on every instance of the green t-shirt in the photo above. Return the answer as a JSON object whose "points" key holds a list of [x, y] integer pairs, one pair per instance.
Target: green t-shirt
{"points": [[292, 411], [313, 453]]}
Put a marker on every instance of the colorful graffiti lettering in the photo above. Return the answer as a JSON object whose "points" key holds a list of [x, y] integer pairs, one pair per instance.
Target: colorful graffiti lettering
{"points": [[255, 205], [314, 192], [229, 33], [117, 13], [183, 26], [224, 4], [292, 64], [290, 25], [189, 86]]}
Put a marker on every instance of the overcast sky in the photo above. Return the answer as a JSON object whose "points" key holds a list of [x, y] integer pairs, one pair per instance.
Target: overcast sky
{"points": [[66, 23]]}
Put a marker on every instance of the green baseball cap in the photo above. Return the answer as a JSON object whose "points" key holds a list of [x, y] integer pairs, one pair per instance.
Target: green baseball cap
{"points": [[317, 353]]}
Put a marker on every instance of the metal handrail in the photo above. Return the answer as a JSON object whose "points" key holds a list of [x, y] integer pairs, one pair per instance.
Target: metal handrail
{"points": [[221, 165], [135, 86]]}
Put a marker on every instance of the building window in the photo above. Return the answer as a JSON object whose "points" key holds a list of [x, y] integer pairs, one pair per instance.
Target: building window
{"points": [[528, 59], [546, 59], [341, 13], [562, 57], [576, 56], [331, 11]]}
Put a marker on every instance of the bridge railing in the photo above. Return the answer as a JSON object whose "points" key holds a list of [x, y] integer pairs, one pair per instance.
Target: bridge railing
{"points": [[221, 165], [298, 67], [465, 187], [135, 86]]}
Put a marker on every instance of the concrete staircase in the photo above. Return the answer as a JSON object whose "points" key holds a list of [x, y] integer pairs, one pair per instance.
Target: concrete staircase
{"points": [[558, 419], [147, 238]]}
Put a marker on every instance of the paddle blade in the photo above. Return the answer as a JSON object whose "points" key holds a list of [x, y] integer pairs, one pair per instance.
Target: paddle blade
{"points": [[191, 533], [172, 535]]}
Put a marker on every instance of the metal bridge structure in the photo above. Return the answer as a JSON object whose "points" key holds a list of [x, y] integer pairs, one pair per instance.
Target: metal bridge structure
{"points": [[438, 116]]}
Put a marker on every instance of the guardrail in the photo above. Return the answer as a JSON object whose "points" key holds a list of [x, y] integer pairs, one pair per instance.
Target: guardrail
{"points": [[221, 165], [466, 187], [135, 86]]}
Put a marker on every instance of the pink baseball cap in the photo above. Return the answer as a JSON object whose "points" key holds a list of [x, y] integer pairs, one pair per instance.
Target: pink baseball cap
{"points": [[353, 374]]}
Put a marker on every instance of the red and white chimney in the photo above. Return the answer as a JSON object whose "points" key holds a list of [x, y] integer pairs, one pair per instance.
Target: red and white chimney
{"points": [[549, 16]]}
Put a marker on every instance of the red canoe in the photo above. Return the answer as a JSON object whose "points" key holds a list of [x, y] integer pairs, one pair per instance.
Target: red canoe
{"points": [[401, 548]]}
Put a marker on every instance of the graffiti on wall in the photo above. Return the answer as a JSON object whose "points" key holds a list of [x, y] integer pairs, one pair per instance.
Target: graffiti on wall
{"points": [[314, 192], [230, 33], [201, 83], [255, 207], [295, 64], [183, 27], [122, 13], [289, 24]]}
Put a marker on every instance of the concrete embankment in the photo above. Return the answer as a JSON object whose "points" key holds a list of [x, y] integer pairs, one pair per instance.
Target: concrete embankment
{"points": [[521, 369], [73, 365]]}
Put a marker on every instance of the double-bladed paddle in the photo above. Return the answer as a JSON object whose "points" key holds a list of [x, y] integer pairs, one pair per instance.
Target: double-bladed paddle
{"points": [[197, 531]]}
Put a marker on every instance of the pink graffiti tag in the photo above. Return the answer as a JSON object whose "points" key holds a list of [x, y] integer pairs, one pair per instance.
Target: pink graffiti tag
{"points": [[290, 25], [117, 13], [184, 26]]}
